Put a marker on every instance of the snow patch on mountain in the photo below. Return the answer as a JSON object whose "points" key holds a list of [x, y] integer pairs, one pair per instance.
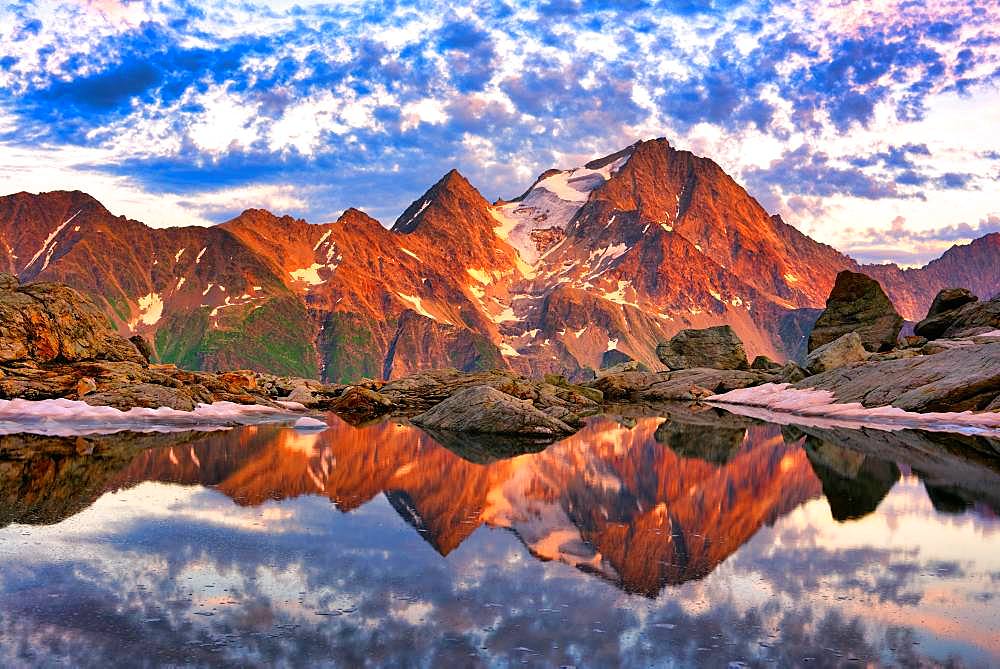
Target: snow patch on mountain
{"points": [[310, 275], [508, 351], [480, 275], [150, 310], [48, 241], [409, 253], [418, 305]]}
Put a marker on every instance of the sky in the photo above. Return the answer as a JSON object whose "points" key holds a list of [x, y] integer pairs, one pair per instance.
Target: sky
{"points": [[872, 126]]}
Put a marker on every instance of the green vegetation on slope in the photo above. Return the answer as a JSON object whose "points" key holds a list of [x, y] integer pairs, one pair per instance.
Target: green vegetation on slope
{"points": [[274, 337]]}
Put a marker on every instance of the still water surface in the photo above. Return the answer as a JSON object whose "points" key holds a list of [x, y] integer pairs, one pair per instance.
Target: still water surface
{"points": [[688, 540]]}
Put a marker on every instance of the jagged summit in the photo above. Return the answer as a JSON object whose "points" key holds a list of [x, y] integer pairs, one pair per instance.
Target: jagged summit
{"points": [[449, 196]]}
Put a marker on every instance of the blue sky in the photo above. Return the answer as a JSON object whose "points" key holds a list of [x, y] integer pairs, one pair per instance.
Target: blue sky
{"points": [[872, 126]]}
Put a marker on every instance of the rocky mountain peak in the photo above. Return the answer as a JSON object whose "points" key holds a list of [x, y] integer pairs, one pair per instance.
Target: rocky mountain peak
{"points": [[354, 217], [452, 196]]}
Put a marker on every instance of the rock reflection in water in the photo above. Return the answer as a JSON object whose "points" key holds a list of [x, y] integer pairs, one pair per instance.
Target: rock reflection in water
{"points": [[699, 538]]}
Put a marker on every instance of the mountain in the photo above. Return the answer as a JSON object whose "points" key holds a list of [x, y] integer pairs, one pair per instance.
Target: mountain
{"points": [[620, 253], [207, 300]]}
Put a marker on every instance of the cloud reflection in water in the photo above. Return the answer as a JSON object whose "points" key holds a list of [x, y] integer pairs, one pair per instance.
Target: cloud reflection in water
{"points": [[635, 542]]}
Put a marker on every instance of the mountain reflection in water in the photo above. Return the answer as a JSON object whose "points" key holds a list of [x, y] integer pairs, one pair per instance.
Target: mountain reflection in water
{"points": [[700, 538]]}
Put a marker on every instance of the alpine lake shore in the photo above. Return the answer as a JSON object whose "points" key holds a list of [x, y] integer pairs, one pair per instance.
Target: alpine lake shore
{"points": [[56, 345]]}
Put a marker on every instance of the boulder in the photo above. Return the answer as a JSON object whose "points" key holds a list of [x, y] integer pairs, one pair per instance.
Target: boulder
{"points": [[85, 386], [764, 363], [858, 304], [944, 310], [960, 379], [792, 373], [360, 400], [613, 358], [682, 385], [46, 322], [949, 299], [975, 318], [844, 350], [8, 282], [146, 395], [713, 348], [143, 346], [486, 410]]}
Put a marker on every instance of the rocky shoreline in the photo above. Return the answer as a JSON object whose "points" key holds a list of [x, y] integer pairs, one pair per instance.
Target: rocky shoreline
{"points": [[55, 344]]}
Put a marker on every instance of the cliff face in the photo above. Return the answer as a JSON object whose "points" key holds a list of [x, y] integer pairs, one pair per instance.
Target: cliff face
{"points": [[620, 253]]}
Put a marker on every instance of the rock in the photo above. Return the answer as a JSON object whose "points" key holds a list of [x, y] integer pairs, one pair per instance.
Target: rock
{"points": [[358, 400], [425, 389], [713, 348], [485, 410], [46, 322], [681, 385], [913, 341], [613, 358], [8, 282], [240, 380], [143, 346], [630, 366], [844, 350], [85, 386], [302, 395], [960, 379], [975, 318], [792, 373], [894, 355], [699, 392], [947, 307], [146, 395], [949, 299], [858, 304], [764, 363]]}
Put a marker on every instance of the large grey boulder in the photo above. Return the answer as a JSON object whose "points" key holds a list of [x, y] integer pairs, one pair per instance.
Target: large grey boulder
{"points": [[713, 348], [486, 410], [857, 303], [845, 350]]}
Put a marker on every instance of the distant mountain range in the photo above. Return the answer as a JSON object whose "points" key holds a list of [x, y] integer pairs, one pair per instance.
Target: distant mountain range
{"points": [[620, 253]]}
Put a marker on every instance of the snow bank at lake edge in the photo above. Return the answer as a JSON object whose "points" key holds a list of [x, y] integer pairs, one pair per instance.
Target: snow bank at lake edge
{"points": [[783, 404], [62, 417]]}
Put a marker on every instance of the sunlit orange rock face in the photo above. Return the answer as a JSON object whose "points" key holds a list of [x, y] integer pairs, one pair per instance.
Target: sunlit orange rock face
{"points": [[625, 252], [610, 500]]}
